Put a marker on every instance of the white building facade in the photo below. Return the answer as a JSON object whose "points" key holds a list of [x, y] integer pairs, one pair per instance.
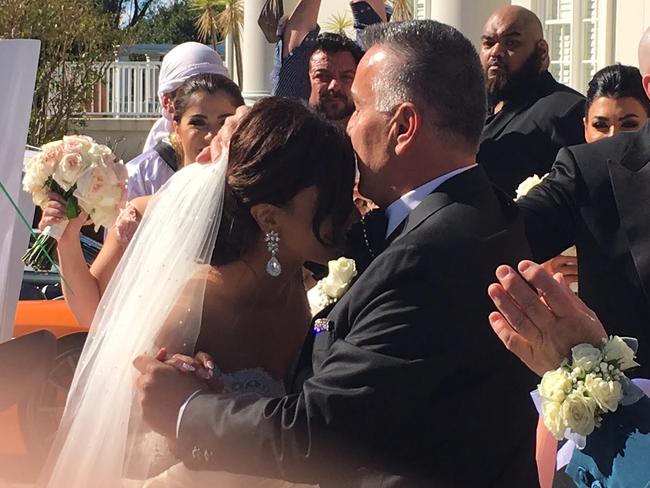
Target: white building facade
{"points": [[583, 35]]}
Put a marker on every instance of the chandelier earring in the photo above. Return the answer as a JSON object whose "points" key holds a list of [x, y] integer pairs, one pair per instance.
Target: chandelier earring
{"points": [[273, 266]]}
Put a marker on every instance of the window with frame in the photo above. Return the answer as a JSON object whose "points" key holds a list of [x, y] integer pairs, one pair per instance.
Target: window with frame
{"points": [[577, 32]]}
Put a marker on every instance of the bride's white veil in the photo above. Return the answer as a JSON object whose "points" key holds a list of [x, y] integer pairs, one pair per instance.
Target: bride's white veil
{"points": [[102, 441]]}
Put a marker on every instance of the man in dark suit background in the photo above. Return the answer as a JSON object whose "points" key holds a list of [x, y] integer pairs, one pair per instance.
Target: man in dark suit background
{"points": [[531, 116], [598, 198], [409, 387]]}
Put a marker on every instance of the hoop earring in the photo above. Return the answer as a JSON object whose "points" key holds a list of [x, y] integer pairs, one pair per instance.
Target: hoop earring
{"points": [[273, 266]]}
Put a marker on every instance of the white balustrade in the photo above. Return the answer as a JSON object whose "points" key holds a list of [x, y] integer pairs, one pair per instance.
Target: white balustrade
{"points": [[128, 89]]}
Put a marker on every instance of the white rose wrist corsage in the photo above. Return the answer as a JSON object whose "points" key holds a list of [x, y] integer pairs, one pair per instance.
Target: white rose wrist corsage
{"points": [[328, 290], [575, 396]]}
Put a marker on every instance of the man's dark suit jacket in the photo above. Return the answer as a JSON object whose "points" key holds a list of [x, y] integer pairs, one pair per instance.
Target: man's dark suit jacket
{"points": [[525, 136], [410, 386], [598, 198]]}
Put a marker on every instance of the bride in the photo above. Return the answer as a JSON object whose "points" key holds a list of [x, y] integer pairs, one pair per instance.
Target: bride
{"points": [[215, 266]]}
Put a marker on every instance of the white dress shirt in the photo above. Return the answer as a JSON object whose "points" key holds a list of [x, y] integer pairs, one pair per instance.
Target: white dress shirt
{"points": [[148, 172], [397, 211]]}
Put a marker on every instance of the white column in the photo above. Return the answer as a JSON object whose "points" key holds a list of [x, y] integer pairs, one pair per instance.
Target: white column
{"points": [[257, 55], [468, 16], [19, 59]]}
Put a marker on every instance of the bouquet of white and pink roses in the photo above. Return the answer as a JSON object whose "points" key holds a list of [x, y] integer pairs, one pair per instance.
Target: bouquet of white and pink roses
{"points": [[86, 175]]}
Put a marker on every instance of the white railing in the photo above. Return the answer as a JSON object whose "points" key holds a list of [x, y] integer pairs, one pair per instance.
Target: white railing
{"points": [[127, 90]]}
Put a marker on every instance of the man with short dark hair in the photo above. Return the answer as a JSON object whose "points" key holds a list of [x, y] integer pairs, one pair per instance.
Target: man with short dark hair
{"points": [[407, 383], [531, 116], [317, 67]]}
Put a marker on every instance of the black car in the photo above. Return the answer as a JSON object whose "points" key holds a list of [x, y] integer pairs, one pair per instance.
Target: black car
{"points": [[46, 285]]}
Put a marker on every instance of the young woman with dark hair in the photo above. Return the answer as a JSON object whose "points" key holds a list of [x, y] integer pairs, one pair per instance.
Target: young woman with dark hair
{"points": [[201, 105], [616, 102]]}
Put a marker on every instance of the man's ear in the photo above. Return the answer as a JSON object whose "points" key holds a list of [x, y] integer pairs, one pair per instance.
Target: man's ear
{"points": [[404, 126], [266, 216], [168, 103], [646, 83], [542, 47]]}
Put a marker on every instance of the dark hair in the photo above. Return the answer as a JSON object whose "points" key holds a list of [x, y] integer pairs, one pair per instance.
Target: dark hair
{"points": [[207, 82], [329, 42], [617, 81], [280, 148], [438, 68]]}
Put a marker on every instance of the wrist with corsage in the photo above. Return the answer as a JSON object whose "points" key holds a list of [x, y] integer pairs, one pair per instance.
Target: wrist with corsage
{"points": [[576, 396]]}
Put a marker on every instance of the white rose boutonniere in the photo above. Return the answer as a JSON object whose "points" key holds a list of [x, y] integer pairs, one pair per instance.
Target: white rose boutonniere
{"points": [[328, 290], [527, 185]]}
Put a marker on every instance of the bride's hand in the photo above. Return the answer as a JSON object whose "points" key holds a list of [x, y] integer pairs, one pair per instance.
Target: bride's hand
{"points": [[201, 366]]}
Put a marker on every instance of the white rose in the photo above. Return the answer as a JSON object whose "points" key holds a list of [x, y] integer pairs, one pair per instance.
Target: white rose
{"points": [[69, 169], [555, 385], [551, 412], [586, 356], [341, 272], [577, 412], [35, 176], [104, 216], [616, 350], [607, 394], [101, 154], [77, 144], [99, 193], [528, 184]]}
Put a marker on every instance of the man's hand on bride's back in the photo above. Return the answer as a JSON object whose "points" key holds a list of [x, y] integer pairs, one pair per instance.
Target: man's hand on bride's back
{"points": [[162, 390], [221, 141]]}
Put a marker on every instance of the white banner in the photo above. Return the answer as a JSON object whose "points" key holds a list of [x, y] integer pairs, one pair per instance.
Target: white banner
{"points": [[19, 60]]}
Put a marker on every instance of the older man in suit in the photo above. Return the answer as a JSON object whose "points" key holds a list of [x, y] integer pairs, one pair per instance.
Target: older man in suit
{"points": [[598, 198], [407, 387], [531, 115]]}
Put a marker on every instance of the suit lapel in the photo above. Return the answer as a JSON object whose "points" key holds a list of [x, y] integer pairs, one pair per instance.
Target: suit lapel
{"points": [[468, 182], [631, 185]]}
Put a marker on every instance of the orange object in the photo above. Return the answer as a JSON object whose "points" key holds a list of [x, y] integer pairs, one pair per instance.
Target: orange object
{"points": [[53, 315], [56, 317]]}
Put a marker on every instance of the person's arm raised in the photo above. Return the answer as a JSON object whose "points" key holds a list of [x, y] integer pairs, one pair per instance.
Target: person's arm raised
{"points": [[83, 287], [302, 21], [379, 6]]}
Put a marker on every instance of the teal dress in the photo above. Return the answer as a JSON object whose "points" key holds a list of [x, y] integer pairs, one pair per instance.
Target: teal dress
{"points": [[617, 454]]}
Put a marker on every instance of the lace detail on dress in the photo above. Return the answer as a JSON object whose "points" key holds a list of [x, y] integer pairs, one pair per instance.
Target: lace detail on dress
{"points": [[126, 224], [253, 380]]}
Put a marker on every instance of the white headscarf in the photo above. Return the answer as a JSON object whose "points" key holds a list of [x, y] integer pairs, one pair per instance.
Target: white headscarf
{"points": [[179, 64]]}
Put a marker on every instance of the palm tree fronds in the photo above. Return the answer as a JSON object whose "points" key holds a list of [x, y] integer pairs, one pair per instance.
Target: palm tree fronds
{"points": [[338, 23], [402, 10]]}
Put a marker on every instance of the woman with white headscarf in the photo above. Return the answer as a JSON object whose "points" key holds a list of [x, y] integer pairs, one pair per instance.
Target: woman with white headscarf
{"points": [[158, 161]]}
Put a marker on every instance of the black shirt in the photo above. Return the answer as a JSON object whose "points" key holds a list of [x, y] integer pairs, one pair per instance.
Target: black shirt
{"points": [[525, 136]]}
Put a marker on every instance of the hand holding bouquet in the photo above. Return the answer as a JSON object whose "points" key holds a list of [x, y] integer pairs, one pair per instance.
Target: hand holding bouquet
{"points": [[86, 175]]}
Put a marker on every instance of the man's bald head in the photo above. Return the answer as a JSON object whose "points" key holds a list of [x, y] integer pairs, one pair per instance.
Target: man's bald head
{"points": [[516, 17], [644, 60], [644, 52]]}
